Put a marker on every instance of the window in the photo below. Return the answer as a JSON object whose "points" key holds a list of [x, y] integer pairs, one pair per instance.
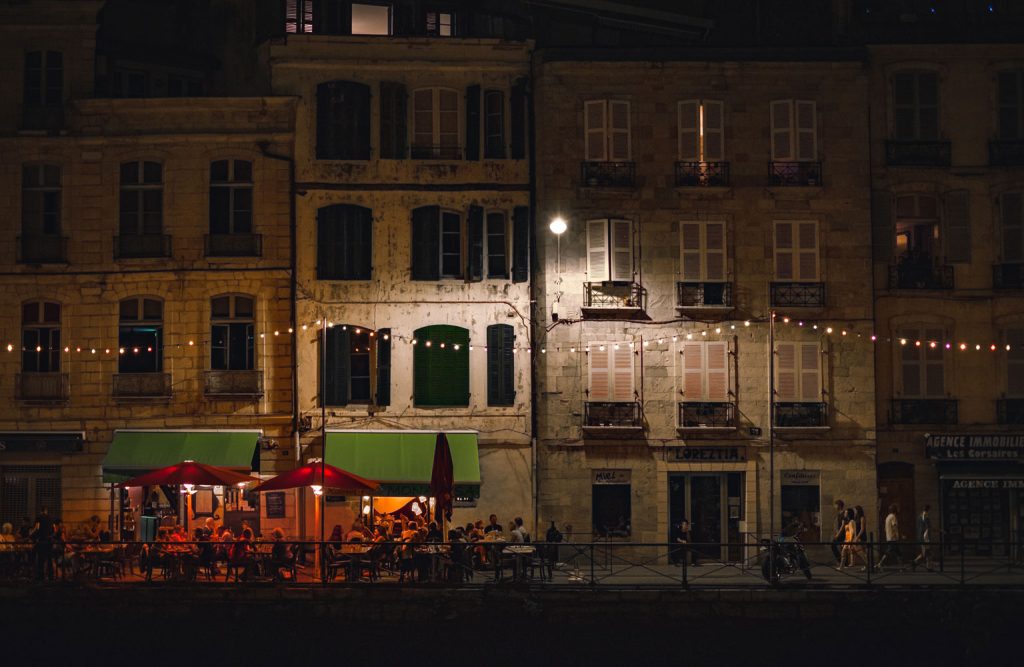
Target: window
{"points": [[231, 197], [140, 336], [40, 337], [706, 372], [440, 23], [611, 373], [451, 245], [142, 198], [344, 242], [497, 245], [607, 131], [40, 199], [922, 372], [129, 83], [1015, 363], [794, 131], [1011, 105], [232, 322], [371, 19], [915, 103], [183, 86], [701, 133], [349, 369], [441, 366], [393, 118], [796, 251], [798, 372], [1011, 215], [342, 121], [917, 229], [44, 79], [501, 378], [494, 124], [611, 503], [610, 250], [703, 251], [435, 124], [437, 244], [26, 490]]}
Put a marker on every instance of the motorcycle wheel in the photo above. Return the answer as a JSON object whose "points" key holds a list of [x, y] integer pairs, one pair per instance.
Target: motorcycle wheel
{"points": [[766, 571], [807, 573]]}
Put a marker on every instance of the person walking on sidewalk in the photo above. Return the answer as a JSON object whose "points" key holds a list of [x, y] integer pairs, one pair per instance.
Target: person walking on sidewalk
{"points": [[892, 538], [839, 531], [924, 537]]}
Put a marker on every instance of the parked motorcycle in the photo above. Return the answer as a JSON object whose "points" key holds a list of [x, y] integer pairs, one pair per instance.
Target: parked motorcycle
{"points": [[788, 557]]}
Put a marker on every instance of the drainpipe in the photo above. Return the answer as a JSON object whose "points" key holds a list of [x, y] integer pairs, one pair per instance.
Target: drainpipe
{"points": [[534, 394]]}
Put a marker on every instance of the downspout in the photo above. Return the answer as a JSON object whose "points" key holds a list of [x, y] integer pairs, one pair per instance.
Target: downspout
{"points": [[535, 315]]}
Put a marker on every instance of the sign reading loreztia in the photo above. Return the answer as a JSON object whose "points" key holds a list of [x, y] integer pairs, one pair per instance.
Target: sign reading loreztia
{"points": [[978, 447]]}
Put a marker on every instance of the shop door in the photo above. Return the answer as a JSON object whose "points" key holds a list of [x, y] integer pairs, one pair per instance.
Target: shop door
{"points": [[896, 487], [706, 517]]}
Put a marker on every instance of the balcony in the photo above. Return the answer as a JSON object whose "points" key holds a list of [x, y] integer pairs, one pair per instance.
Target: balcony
{"points": [[624, 418], [801, 415], [141, 246], [702, 174], [794, 174], [798, 295], [142, 385], [917, 153], [45, 387], [613, 298], [608, 174], [923, 275], [1010, 411], [42, 117], [707, 415], [42, 249], [924, 411], [234, 245], [1006, 153], [231, 384], [1008, 276], [704, 295], [435, 152]]}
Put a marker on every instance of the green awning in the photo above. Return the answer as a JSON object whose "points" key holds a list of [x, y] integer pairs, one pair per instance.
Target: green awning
{"points": [[135, 452], [402, 460]]}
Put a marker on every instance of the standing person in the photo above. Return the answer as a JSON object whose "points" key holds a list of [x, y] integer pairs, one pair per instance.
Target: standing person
{"points": [[683, 536], [892, 537], [924, 537], [861, 538], [838, 532], [42, 551]]}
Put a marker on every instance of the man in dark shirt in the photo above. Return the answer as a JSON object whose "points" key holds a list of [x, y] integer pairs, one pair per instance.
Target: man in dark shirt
{"points": [[493, 525], [42, 536]]}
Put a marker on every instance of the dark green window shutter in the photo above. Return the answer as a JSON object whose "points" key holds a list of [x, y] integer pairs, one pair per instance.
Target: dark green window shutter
{"points": [[338, 378], [883, 238], [343, 121], [475, 224], [518, 117], [441, 374], [501, 380], [383, 367], [327, 225], [473, 123], [392, 121], [520, 244], [359, 246], [426, 239], [344, 242], [958, 227], [326, 127]]}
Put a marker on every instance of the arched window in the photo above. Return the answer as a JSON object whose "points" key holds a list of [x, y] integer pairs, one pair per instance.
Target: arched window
{"points": [[441, 366], [232, 333], [344, 242]]}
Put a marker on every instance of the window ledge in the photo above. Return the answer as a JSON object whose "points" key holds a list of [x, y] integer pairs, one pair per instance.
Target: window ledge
{"points": [[706, 309], [710, 191], [795, 191], [697, 430], [614, 431], [619, 192], [133, 400], [803, 429]]}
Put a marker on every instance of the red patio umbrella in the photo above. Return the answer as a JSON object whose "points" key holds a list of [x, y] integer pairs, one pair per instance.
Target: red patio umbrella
{"points": [[310, 475], [442, 477], [190, 472]]}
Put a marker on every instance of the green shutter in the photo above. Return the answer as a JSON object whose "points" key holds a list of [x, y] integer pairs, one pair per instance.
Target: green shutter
{"points": [[338, 367], [392, 121], [518, 119], [520, 244], [358, 250], [475, 232], [325, 136], [441, 374], [500, 365], [328, 222], [426, 239], [383, 367], [473, 123]]}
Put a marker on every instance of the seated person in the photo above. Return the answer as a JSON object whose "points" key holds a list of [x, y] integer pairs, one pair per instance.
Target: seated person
{"points": [[91, 529], [241, 553], [281, 552]]}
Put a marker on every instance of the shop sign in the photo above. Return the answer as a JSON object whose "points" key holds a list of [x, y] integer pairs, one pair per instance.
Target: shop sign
{"points": [[800, 477], [27, 442], [274, 502], [612, 476], [978, 447], [988, 484], [708, 454]]}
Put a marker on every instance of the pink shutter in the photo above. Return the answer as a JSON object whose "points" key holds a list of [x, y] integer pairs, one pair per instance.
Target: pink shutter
{"points": [[714, 132], [714, 252], [600, 376], [782, 130], [806, 131], [784, 251], [785, 372], [622, 250], [597, 250], [594, 114], [807, 236], [622, 373], [810, 372], [717, 372], [690, 233], [689, 130], [693, 372], [619, 148]]}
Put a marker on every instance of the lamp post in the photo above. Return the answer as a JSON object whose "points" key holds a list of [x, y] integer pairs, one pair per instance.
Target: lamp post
{"points": [[323, 433], [558, 227]]}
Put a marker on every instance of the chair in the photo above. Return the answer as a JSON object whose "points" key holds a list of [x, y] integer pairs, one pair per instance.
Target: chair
{"points": [[543, 559], [111, 565], [291, 566]]}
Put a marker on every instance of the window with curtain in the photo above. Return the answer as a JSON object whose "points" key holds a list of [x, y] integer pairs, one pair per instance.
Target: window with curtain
{"points": [[441, 366], [232, 329]]}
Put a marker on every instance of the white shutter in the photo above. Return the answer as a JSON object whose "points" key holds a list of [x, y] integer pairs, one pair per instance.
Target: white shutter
{"points": [[807, 241], [714, 131], [717, 386], [714, 251], [934, 371], [782, 130], [1011, 213], [690, 234], [693, 372], [784, 251], [622, 373], [597, 250], [786, 372], [1015, 363], [594, 114], [619, 148], [806, 130], [810, 372], [600, 375], [622, 250], [689, 131]]}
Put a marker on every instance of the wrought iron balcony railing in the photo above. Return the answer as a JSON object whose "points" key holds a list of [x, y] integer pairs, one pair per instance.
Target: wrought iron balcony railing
{"points": [[797, 295], [702, 174], [801, 415], [793, 174], [612, 415], [422, 152], [924, 411], [1006, 153], [234, 245], [1009, 275], [134, 246], [613, 295], [703, 295], [233, 383], [924, 275], [608, 174], [42, 249], [917, 153], [142, 385], [42, 386], [1010, 411], [707, 415]]}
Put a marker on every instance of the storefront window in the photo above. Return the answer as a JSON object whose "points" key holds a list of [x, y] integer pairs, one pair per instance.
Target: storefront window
{"points": [[801, 504], [612, 503]]}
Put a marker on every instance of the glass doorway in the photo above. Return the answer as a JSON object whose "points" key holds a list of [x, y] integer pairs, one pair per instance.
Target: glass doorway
{"points": [[711, 503]]}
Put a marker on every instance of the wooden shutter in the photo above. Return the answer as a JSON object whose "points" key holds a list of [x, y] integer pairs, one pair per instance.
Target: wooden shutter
{"points": [[426, 237], [784, 251], [806, 130], [473, 122], [518, 118], [690, 234], [786, 378], [327, 224], [693, 372], [619, 145], [392, 121], [326, 124], [594, 115], [597, 251], [714, 131], [475, 235], [807, 242], [621, 250], [1015, 363], [1011, 214], [717, 372], [357, 106], [383, 339], [500, 365], [782, 130], [520, 244], [689, 130], [338, 367], [441, 374], [600, 373], [810, 372], [622, 373], [714, 251], [883, 235], [360, 243], [332, 17], [958, 227]]}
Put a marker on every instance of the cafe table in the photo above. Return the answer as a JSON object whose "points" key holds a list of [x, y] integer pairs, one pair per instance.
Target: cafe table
{"points": [[521, 553]]}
